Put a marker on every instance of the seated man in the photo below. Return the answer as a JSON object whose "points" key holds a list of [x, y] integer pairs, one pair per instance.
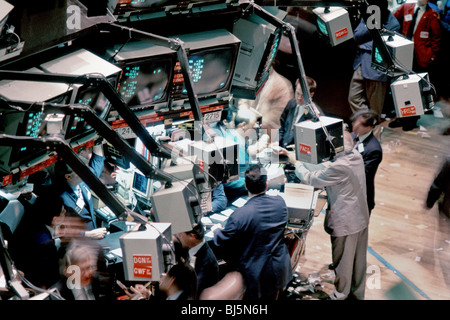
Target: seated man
{"points": [[76, 193]]}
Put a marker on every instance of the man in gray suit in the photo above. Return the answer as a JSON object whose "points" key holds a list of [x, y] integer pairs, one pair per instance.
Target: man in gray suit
{"points": [[347, 217]]}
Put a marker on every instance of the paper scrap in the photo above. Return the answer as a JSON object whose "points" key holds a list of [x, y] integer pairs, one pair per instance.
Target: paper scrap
{"points": [[227, 212], [239, 202]]}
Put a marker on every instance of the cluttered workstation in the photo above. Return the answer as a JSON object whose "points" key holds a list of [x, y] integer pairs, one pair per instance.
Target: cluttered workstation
{"points": [[147, 93]]}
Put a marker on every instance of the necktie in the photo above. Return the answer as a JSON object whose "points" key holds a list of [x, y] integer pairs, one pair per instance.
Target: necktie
{"points": [[410, 33]]}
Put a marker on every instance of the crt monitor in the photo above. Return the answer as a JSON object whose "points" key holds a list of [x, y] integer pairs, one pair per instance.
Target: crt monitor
{"points": [[212, 57], [75, 125], [260, 43], [141, 185], [211, 70], [27, 123], [146, 82]]}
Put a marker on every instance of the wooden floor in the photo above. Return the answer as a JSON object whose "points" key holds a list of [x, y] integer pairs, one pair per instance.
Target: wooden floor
{"points": [[409, 246]]}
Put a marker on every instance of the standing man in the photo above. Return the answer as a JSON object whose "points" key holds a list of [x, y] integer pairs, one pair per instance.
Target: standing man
{"points": [[367, 144], [76, 193], [347, 217], [368, 86], [252, 241], [419, 23], [295, 112], [201, 257]]}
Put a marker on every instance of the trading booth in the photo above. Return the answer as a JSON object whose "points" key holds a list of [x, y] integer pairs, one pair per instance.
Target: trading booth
{"points": [[147, 86]]}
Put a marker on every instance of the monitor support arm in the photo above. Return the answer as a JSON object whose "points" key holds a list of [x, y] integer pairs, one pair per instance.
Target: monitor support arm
{"points": [[104, 131], [110, 93], [64, 150]]}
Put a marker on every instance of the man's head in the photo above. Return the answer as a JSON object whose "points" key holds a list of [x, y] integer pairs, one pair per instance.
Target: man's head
{"points": [[363, 121], [190, 239], [180, 276], [256, 179], [312, 86], [64, 171], [81, 259]]}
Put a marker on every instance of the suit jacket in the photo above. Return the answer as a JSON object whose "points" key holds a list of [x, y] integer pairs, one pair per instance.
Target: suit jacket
{"points": [[345, 182], [441, 186], [34, 252], [364, 41], [427, 36], [372, 156], [285, 133], [68, 294], [206, 267], [252, 243], [87, 213]]}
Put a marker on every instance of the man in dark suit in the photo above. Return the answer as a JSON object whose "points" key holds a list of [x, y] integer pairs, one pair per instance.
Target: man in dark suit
{"points": [[363, 123], [295, 112], [252, 241], [76, 193], [201, 257]]}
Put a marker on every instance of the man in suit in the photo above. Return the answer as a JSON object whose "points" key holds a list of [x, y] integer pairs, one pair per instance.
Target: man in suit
{"points": [[368, 86], [347, 217], [252, 241], [419, 23], [76, 193], [295, 112], [201, 257], [363, 123]]}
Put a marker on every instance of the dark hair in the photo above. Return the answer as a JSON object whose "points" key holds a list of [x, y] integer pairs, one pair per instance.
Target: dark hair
{"points": [[256, 179], [185, 278], [47, 206], [198, 230], [312, 84], [370, 117]]}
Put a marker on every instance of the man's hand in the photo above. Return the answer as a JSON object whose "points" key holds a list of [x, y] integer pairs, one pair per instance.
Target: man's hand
{"points": [[292, 157], [98, 233]]}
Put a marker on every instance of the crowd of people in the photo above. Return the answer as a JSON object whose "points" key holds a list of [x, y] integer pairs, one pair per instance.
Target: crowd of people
{"points": [[58, 231]]}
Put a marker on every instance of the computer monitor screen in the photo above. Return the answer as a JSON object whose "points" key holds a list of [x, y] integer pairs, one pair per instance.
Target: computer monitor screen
{"points": [[140, 185], [76, 126], [144, 83], [211, 70]]}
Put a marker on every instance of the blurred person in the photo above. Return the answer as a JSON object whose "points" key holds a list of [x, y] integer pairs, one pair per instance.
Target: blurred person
{"points": [[80, 266], [179, 283], [368, 86], [439, 190], [252, 241], [230, 287], [419, 23], [363, 124], [37, 247], [347, 216], [76, 193], [201, 257]]}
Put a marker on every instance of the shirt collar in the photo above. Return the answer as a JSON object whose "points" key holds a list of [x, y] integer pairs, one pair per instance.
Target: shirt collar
{"points": [[193, 251], [364, 136], [175, 295], [422, 8]]}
